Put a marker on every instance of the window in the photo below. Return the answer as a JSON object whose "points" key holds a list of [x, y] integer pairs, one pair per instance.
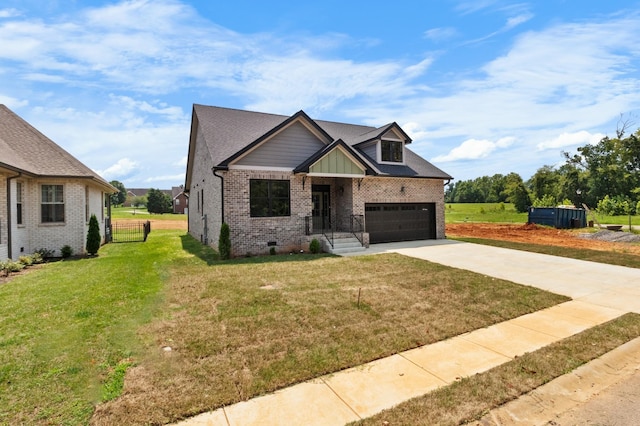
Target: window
{"points": [[52, 205], [19, 203], [269, 198], [391, 151]]}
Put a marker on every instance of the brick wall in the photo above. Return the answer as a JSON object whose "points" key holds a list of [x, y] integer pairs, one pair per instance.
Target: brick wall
{"points": [[252, 235]]}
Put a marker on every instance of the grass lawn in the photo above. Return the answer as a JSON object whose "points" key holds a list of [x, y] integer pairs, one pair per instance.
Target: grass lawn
{"points": [[71, 330], [68, 330], [483, 212], [506, 213], [143, 214]]}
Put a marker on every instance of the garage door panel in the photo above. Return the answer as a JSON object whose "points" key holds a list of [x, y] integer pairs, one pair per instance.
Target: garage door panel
{"points": [[388, 222]]}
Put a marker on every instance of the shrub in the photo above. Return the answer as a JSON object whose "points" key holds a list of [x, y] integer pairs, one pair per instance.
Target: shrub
{"points": [[45, 253], [272, 251], [546, 201], [224, 242], [36, 258], [26, 260], [93, 236], [9, 266], [314, 246], [66, 251], [615, 206]]}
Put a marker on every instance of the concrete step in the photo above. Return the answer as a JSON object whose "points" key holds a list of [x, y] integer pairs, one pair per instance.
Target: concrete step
{"points": [[345, 244]]}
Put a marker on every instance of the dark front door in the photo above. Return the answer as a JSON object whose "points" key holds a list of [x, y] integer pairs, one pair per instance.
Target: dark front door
{"points": [[320, 195]]}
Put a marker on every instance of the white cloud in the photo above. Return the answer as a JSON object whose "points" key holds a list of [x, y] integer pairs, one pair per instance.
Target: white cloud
{"points": [[440, 34], [571, 139], [13, 103], [9, 13], [120, 170], [473, 149], [182, 162], [179, 178]]}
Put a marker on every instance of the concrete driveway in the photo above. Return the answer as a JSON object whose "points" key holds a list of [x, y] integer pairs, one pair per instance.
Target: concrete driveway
{"points": [[605, 285]]}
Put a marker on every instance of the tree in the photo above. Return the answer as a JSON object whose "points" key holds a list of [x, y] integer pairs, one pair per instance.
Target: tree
{"points": [[93, 236], [158, 202], [517, 192], [119, 197], [611, 167], [224, 242]]}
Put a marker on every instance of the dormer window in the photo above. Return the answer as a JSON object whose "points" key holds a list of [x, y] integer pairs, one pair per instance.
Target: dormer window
{"points": [[391, 151]]}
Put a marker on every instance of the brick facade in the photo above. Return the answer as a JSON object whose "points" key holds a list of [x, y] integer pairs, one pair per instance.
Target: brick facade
{"points": [[81, 199], [256, 235]]}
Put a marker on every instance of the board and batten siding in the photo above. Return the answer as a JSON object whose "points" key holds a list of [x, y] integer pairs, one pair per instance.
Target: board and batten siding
{"points": [[336, 162], [289, 148]]}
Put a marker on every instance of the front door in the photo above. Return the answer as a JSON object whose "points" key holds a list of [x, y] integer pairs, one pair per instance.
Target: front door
{"points": [[321, 198]]}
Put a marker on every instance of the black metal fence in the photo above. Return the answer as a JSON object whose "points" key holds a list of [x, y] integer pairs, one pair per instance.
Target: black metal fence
{"points": [[128, 232]]}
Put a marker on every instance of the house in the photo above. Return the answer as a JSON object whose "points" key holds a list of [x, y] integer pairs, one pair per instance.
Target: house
{"points": [[280, 181], [179, 200], [46, 195], [134, 193]]}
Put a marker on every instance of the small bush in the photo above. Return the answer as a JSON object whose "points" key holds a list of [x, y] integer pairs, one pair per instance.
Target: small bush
{"points": [[93, 236], [36, 258], [26, 260], [45, 253], [314, 246], [224, 242], [9, 266], [66, 251], [272, 251]]}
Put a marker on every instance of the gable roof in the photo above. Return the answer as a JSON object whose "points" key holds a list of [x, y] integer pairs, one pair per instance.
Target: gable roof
{"points": [[304, 167], [26, 150], [229, 133]]}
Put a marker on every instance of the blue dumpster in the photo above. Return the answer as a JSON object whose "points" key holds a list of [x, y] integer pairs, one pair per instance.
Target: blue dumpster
{"points": [[558, 217]]}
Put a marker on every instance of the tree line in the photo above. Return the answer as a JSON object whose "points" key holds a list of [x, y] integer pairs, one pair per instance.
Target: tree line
{"points": [[605, 176], [156, 201]]}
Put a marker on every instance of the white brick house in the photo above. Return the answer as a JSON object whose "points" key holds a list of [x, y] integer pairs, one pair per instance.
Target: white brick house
{"points": [[280, 181], [46, 195]]}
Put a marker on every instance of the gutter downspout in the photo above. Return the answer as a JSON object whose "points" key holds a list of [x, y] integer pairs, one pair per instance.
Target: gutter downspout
{"points": [[214, 170], [9, 179]]}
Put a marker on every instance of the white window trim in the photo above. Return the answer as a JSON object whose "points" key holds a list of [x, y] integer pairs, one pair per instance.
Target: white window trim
{"points": [[393, 163]]}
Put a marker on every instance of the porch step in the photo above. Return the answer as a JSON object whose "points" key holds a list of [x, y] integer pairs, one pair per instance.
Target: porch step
{"points": [[345, 245]]}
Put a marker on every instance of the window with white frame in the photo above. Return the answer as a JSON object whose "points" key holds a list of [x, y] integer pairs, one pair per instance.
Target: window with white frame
{"points": [[19, 210], [52, 203]]}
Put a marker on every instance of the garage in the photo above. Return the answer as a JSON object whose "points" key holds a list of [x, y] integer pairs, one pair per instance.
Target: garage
{"points": [[388, 222]]}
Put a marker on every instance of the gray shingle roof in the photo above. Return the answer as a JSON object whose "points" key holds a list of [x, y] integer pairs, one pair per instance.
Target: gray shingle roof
{"points": [[227, 131], [24, 149]]}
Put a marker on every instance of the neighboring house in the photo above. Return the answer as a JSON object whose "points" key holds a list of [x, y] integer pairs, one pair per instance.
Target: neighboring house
{"points": [[281, 181], [46, 195], [132, 193], [179, 199]]}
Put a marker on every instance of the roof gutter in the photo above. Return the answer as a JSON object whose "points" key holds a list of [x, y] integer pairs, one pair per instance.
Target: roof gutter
{"points": [[9, 245]]}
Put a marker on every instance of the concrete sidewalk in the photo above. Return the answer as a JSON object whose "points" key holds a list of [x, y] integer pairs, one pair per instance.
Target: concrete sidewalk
{"points": [[363, 391]]}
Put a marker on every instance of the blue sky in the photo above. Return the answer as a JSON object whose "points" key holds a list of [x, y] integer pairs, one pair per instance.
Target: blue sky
{"points": [[482, 87]]}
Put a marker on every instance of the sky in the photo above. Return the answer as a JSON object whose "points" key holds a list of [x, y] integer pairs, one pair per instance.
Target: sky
{"points": [[482, 87]]}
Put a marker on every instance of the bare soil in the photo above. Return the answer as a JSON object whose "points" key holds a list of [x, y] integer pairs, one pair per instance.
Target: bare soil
{"points": [[535, 234]]}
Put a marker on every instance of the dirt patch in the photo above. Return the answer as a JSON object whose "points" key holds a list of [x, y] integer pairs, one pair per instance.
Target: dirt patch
{"points": [[534, 234]]}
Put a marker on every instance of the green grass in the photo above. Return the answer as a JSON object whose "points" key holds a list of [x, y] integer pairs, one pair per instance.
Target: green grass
{"points": [[609, 257], [246, 327], [506, 213], [142, 214], [483, 212], [68, 329]]}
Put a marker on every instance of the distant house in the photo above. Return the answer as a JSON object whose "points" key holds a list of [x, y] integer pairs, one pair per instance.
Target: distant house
{"points": [[280, 181], [133, 193], [179, 199], [46, 195]]}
